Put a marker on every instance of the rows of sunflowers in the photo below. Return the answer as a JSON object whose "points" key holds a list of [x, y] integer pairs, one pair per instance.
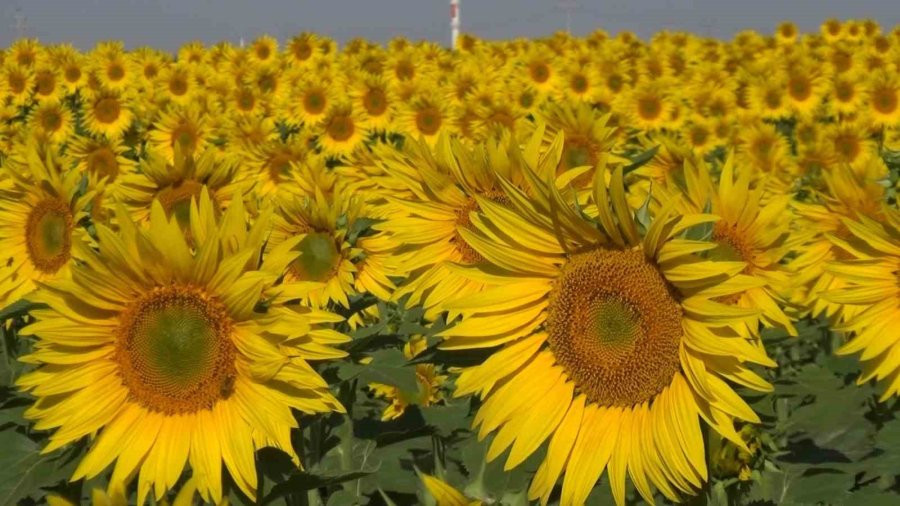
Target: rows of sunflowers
{"points": [[567, 270]]}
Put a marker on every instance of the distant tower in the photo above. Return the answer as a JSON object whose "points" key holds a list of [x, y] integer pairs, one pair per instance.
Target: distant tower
{"points": [[454, 23], [20, 23], [568, 6]]}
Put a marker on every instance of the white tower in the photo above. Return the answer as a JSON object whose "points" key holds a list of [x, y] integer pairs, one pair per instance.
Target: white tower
{"points": [[21, 23], [454, 23]]}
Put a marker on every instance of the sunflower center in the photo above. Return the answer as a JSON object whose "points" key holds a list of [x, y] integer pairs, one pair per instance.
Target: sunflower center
{"points": [[885, 101], [51, 120], [772, 99], [16, 83], [843, 91], [151, 70], [579, 84], [800, 88], [174, 350], [848, 147], [540, 72], [649, 107], [614, 83], [178, 86], [375, 102], [314, 102], [48, 235], [115, 72], [107, 110], [45, 83], [699, 135], [302, 50], [428, 121], [615, 326], [526, 99], [73, 74], [245, 100], [340, 128], [319, 257]]}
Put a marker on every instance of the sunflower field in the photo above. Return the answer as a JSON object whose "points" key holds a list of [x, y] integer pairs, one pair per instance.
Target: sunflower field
{"points": [[569, 270]]}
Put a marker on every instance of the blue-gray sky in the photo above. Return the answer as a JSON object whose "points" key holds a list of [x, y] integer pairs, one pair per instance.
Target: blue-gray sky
{"points": [[166, 24]]}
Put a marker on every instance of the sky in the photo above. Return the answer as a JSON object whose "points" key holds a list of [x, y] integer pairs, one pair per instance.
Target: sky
{"points": [[166, 24]]}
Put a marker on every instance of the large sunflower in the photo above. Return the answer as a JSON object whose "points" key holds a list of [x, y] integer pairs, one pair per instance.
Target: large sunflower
{"points": [[39, 219], [615, 339], [869, 282], [157, 349]]}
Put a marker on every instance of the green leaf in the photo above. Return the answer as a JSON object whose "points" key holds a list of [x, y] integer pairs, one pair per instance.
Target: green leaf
{"points": [[447, 418], [24, 471], [640, 159], [388, 366]]}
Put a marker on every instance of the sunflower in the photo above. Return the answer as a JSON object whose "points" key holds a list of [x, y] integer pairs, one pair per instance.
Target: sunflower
{"points": [[301, 49], [185, 127], [586, 133], [539, 68], [846, 95], [578, 83], [804, 88], [616, 338], [48, 85], [869, 283], [273, 164], [311, 98], [39, 219], [767, 97], [341, 130], [26, 52], [423, 116], [149, 63], [832, 29], [51, 120], [177, 360], [753, 228], [847, 194], [176, 184], [647, 105], [699, 133], [263, 50], [17, 83], [849, 144], [761, 148], [71, 69], [177, 83], [883, 92], [786, 33], [108, 114], [321, 222], [376, 101], [113, 69]]}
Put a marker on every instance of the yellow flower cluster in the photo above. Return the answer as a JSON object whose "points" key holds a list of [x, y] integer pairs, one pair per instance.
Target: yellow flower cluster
{"points": [[612, 222]]}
